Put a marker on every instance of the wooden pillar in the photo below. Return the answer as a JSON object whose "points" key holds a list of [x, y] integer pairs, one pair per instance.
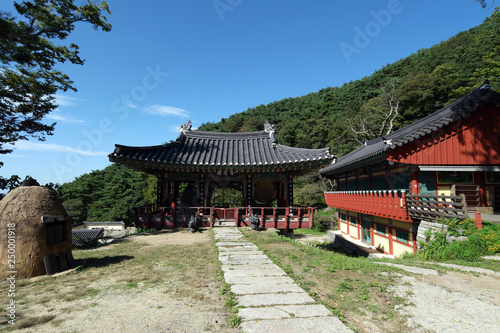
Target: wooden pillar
{"points": [[414, 185], [290, 192], [480, 178], [370, 179], [159, 191], [201, 191], [388, 177], [249, 191], [209, 196], [175, 194], [168, 192]]}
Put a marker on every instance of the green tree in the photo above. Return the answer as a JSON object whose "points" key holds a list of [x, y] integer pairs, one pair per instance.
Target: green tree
{"points": [[29, 55], [107, 195], [9, 183]]}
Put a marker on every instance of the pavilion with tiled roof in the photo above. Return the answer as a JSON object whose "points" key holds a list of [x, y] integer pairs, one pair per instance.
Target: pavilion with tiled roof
{"points": [[253, 162]]}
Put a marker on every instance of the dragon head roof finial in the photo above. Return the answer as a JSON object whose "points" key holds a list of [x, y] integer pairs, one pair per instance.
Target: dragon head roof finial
{"points": [[186, 127], [268, 127]]}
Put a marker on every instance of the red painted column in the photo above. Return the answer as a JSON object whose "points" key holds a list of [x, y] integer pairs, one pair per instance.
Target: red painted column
{"points": [[479, 220], [391, 249], [372, 234], [414, 232], [414, 181], [480, 178]]}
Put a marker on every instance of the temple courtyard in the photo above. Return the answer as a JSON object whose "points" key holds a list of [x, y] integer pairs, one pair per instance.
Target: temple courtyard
{"points": [[176, 281]]}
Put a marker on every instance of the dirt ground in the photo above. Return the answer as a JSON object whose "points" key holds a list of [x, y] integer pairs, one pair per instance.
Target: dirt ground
{"points": [[112, 301], [104, 307]]}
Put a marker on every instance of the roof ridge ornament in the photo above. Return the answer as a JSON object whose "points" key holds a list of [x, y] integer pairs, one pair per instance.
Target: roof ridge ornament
{"points": [[186, 127], [486, 84], [387, 142], [268, 127]]}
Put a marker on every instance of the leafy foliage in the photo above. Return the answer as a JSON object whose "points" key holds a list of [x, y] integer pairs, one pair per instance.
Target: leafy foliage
{"points": [[107, 195], [29, 56], [308, 191], [479, 242]]}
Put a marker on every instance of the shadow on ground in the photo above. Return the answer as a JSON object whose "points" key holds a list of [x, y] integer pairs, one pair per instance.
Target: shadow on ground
{"points": [[105, 261], [341, 245]]}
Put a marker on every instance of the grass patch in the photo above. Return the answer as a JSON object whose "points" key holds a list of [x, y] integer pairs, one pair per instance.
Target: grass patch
{"points": [[33, 321], [309, 232], [131, 285]]}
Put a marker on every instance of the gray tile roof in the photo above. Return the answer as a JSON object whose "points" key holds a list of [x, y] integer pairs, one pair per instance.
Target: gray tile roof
{"points": [[222, 150], [376, 148]]}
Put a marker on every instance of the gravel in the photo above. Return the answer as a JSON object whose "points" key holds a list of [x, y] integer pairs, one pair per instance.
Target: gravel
{"points": [[436, 309]]}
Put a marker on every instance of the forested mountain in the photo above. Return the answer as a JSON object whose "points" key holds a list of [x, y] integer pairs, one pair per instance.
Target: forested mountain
{"points": [[343, 117], [336, 117]]}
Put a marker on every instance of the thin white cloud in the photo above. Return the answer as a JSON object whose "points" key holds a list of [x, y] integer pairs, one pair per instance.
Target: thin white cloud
{"points": [[17, 156], [130, 104], [67, 101], [64, 119], [165, 110], [41, 146]]}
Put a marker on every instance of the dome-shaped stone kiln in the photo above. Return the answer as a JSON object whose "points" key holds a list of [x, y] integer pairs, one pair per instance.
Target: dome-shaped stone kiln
{"points": [[33, 225]]}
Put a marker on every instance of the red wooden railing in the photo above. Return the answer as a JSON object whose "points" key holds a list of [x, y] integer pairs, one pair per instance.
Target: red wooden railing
{"points": [[270, 217], [389, 204], [278, 217]]}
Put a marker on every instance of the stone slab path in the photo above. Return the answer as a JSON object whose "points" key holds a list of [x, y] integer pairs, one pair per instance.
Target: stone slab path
{"points": [[271, 301]]}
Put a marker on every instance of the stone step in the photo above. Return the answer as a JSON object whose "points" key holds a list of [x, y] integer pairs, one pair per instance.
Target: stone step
{"points": [[296, 325], [224, 223], [269, 300]]}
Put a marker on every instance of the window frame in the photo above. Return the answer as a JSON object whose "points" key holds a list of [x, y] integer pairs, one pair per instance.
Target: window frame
{"points": [[402, 240]]}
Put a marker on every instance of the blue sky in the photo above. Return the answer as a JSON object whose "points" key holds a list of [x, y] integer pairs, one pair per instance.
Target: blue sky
{"points": [[167, 61]]}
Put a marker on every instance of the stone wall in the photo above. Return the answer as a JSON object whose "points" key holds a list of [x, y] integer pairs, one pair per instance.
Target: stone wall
{"points": [[434, 227]]}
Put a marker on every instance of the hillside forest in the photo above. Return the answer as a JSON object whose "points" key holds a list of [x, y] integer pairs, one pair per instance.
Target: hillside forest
{"points": [[341, 118]]}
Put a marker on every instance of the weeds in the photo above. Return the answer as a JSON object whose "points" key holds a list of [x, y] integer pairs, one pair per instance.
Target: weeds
{"points": [[231, 302], [479, 242], [235, 320]]}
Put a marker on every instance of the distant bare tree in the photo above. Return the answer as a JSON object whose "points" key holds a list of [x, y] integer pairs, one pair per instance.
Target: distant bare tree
{"points": [[376, 117]]}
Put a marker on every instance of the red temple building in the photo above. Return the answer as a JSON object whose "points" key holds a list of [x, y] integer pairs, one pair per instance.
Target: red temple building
{"points": [[445, 164], [197, 169]]}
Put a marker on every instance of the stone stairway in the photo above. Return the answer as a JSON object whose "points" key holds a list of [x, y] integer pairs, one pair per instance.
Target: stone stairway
{"points": [[271, 301]]}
